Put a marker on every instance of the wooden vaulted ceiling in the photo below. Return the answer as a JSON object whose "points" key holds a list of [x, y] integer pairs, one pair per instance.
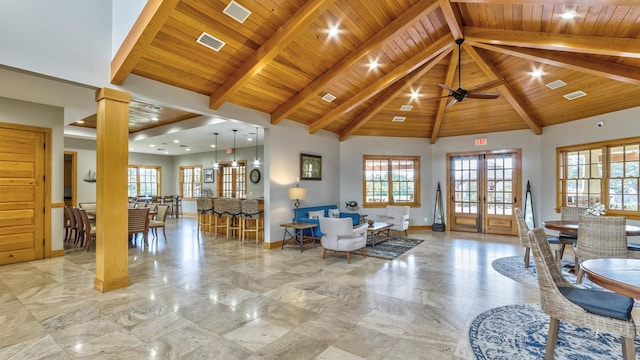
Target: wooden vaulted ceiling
{"points": [[281, 61]]}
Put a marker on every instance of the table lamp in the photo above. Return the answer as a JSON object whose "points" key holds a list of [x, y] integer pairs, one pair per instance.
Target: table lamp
{"points": [[297, 194]]}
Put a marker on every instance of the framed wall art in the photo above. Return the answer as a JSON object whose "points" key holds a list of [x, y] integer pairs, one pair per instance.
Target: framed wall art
{"points": [[208, 176], [310, 167]]}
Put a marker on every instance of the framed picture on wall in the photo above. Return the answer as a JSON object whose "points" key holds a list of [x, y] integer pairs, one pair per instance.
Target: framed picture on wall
{"points": [[310, 167], [208, 175]]}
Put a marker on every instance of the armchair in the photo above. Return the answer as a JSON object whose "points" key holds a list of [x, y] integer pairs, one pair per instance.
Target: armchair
{"points": [[398, 216], [340, 235]]}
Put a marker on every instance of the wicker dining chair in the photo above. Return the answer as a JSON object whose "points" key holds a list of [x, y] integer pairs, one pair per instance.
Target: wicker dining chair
{"points": [[601, 311], [523, 233], [600, 237]]}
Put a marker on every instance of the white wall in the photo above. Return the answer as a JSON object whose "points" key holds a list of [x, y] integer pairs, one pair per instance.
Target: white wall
{"points": [[351, 172], [46, 36], [25, 113], [125, 14]]}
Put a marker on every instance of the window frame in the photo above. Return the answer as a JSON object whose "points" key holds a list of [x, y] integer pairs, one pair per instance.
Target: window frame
{"points": [[196, 192], [390, 201], [138, 167], [605, 195]]}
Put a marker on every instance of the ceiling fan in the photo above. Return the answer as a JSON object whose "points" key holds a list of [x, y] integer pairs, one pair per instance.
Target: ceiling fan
{"points": [[460, 94]]}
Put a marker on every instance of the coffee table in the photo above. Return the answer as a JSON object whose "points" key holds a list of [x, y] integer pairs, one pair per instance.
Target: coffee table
{"points": [[376, 229]]}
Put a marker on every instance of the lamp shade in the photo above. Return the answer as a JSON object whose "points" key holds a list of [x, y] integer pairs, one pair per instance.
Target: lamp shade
{"points": [[297, 193]]}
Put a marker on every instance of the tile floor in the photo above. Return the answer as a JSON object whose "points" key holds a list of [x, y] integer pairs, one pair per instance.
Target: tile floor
{"points": [[218, 299]]}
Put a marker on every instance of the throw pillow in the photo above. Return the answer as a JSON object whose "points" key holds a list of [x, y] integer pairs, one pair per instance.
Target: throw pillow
{"points": [[316, 214], [334, 213]]}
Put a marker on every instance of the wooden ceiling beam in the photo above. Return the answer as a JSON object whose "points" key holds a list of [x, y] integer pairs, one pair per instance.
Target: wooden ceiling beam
{"points": [[599, 45], [442, 106], [576, 62], [268, 51], [391, 94], [452, 17], [153, 16], [510, 95], [394, 75], [417, 11]]}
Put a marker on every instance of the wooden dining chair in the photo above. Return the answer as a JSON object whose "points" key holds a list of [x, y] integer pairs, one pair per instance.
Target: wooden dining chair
{"points": [[600, 237], [88, 230], [601, 311], [159, 221], [138, 222]]}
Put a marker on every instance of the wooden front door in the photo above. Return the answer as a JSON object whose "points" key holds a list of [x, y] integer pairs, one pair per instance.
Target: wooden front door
{"points": [[22, 216], [483, 190]]}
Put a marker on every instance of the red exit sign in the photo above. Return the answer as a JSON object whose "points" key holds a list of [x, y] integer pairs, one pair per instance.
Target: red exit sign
{"points": [[481, 141]]}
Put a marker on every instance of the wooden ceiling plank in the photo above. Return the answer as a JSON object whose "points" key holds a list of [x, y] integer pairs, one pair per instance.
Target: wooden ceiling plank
{"points": [[442, 106], [392, 94], [405, 68], [599, 45], [510, 95], [153, 16], [587, 65], [452, 17], [393, 29], [269, 50]]}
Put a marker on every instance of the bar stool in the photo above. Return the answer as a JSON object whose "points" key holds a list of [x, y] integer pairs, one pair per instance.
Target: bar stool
{"points": [[204, 212], [233, 210], [177, 206], [251, 215], [219, 208]]}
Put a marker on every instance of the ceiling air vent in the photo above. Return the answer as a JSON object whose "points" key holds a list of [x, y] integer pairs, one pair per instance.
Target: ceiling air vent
{"points": [[574, 95], [328, 97], [406, 107], [237, 12], [555, 84], [398, 119], [210, 42]]}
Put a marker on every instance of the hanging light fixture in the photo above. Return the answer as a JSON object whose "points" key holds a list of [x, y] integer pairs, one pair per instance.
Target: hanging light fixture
{"points": [[234, 163], [256, 161], [215, 163]]}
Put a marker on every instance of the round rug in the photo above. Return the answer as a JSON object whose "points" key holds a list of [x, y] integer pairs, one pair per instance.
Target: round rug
{"points": [[520, 332], [513, 268]]}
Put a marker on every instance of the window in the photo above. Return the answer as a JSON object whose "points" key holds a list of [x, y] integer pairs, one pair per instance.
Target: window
{"points": [[234, 180], [391, 180], [605, 172], [190, 181], [143, 180]]}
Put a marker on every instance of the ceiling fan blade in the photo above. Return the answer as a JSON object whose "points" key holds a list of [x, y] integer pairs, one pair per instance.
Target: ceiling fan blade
{"points": [[483, 96], [448, 88], [451, 103], [487, 85]]}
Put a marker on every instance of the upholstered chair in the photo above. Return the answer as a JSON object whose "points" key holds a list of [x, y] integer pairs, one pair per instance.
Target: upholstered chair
{"points": [[159, 221], [600, 237], [340, 235], [601, 311], [398, 216]]}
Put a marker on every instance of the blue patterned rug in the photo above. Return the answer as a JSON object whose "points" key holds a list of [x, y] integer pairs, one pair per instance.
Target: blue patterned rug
{"points": [[520, 332], [513, 268]]}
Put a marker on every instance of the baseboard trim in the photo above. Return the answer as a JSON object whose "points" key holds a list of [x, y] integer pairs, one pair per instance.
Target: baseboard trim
{"points": [[56, 253], [273, 245]]}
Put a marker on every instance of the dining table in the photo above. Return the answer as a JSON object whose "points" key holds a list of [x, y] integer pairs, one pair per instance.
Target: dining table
{"points": [[571, 227], [621, 275]]}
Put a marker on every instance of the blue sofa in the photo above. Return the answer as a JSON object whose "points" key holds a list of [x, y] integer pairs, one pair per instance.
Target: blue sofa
{"points": [[303, 216]]}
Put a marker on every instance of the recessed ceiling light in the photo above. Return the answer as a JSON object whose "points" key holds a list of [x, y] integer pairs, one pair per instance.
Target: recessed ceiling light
{"points": [[537, 73], [153, 145], [166, 152], [373, 64], [568, 15], [415, 95], [213, 145], [176, 141], [80, 121], [333, 31], [188, 149]]}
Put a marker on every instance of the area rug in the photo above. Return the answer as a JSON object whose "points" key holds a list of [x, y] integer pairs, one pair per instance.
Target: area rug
{"points": [[520, 332], [391, 248], [513, 268]]}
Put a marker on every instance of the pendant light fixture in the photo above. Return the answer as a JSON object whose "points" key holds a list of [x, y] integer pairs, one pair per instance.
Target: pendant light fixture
{"points": [[215, 163], [234, 163], [256, 161]]}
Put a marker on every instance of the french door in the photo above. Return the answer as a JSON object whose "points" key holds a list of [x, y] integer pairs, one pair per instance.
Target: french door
{"points": [[483, 191]]}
